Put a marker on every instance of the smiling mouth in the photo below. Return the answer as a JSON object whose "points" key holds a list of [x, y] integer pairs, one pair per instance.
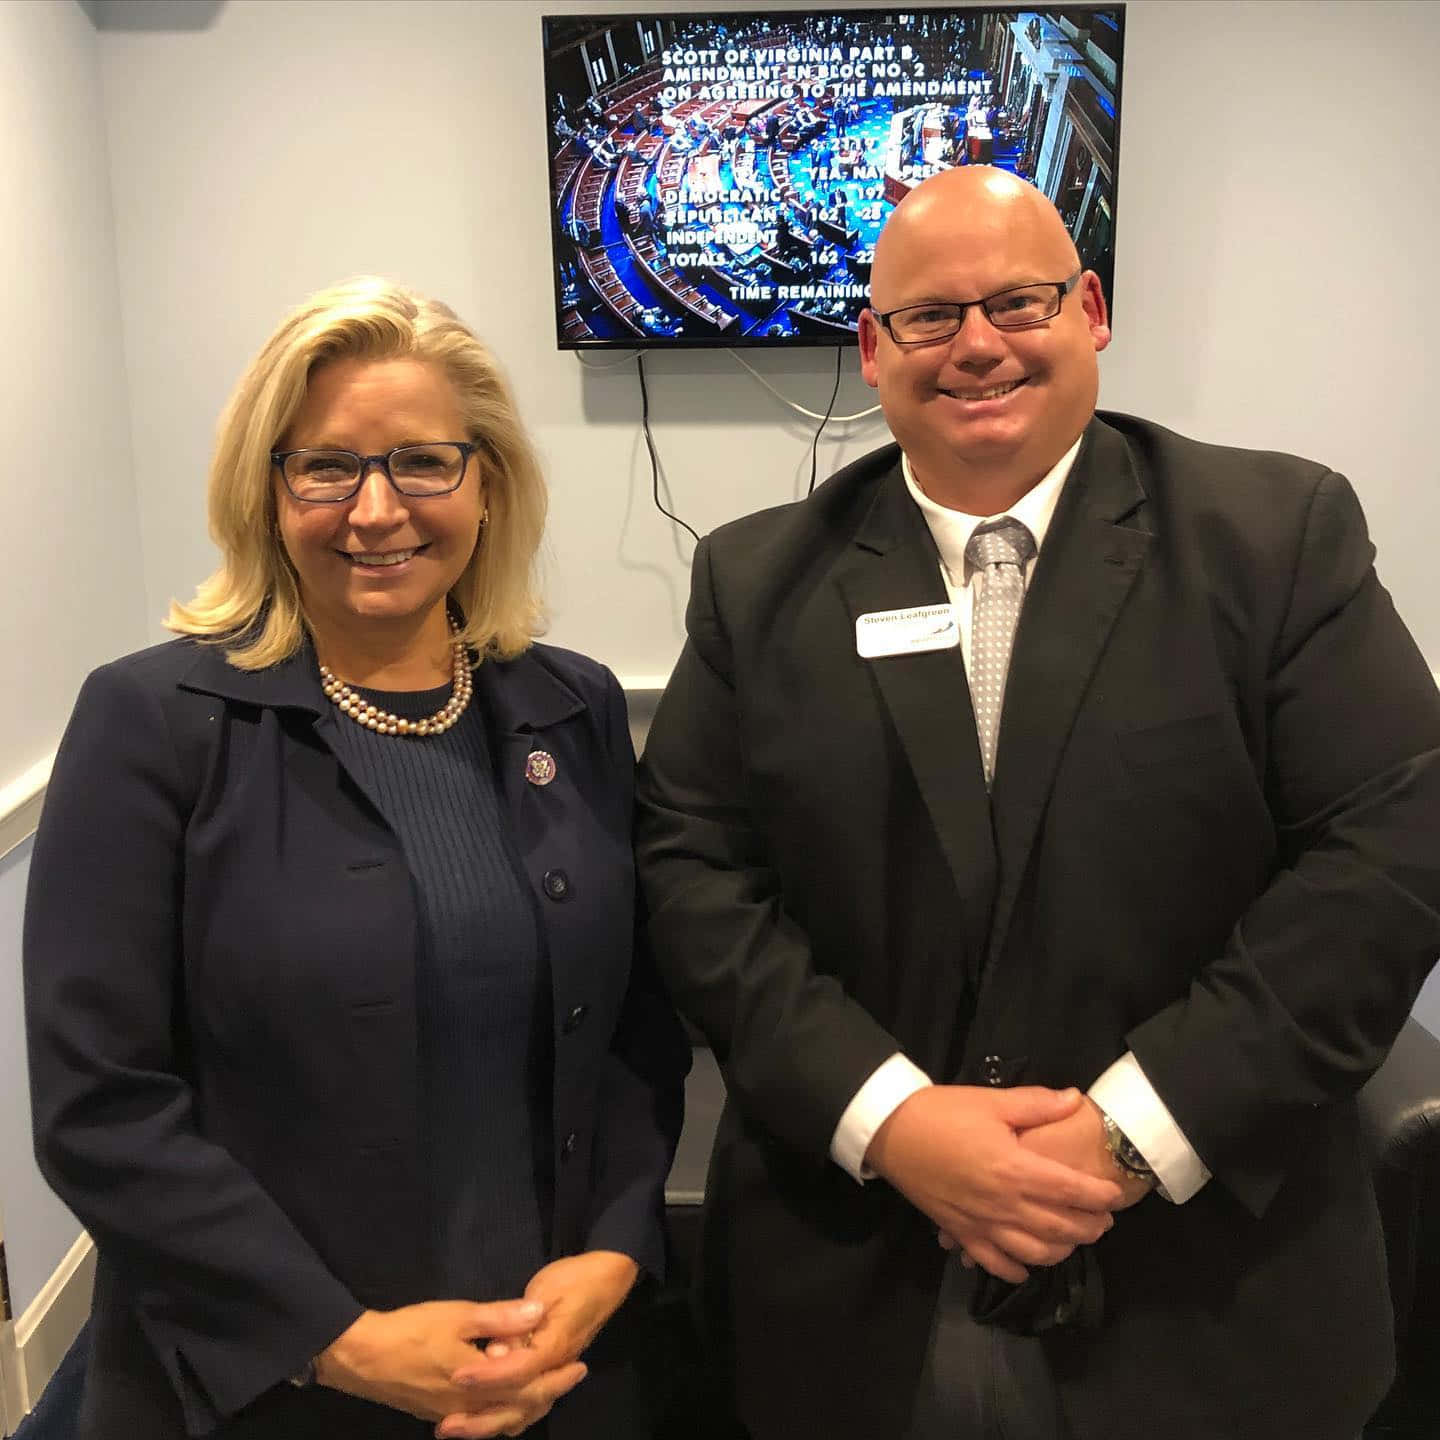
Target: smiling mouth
{"points": [[381, 559], [991, 392]]}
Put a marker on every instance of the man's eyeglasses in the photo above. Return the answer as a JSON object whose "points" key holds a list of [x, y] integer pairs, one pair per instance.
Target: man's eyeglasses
{"points": [[325, 477], [1011, 309]]}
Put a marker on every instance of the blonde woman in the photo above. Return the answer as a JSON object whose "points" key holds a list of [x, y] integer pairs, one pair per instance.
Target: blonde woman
{"points": [[340, 1047]]}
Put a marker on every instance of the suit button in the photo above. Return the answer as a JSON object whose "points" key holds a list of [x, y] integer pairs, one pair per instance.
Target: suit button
{"points": [[567, 1145], [556, 884], [993, 1069], [575, 1019]]}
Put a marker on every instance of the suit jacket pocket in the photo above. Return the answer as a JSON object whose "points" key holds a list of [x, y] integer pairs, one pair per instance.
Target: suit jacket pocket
{"points": [[1172, 743]]}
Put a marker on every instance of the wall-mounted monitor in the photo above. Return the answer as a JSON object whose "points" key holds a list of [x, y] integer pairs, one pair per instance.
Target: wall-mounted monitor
{"points": [[721, 179]]}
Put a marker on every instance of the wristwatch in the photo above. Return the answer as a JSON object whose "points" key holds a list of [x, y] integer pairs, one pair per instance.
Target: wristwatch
{"points": [[1126, 1157], [304, 1378]]}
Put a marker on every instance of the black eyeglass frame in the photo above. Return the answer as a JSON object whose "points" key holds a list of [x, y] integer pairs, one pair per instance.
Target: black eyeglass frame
{"points": [[466, 448], [1062, 289]]}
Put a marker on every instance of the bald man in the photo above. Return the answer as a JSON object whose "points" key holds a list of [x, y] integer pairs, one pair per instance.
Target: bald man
{"points": [[1043, 825]]}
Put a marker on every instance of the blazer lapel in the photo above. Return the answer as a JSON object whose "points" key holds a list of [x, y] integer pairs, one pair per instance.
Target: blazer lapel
{"points": [[521, 697], [292, 684], [893, 564], [1085, 570]]}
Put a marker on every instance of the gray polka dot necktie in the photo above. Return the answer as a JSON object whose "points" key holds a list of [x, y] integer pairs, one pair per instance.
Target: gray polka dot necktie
{"points": [[998, 551]]}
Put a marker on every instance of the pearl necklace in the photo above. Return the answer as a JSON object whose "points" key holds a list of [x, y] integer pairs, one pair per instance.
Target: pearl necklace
{"points": [[385, 722]]}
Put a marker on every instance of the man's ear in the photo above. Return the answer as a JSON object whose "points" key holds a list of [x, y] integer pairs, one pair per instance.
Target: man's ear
{"points": [[1097, 315], [869, 343]]}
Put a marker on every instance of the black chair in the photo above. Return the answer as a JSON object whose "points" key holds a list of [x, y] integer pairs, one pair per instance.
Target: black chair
{"points": [[688, 1403], [1400, 1111]]}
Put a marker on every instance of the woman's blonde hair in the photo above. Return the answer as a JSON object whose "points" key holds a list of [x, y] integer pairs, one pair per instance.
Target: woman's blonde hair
{"points": [[251, 604]]}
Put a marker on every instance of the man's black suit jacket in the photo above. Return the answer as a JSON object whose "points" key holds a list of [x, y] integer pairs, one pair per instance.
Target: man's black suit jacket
{"points": [[220, 949], [1214, 838]]}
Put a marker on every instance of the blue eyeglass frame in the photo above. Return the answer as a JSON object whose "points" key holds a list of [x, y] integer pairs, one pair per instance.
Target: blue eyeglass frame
{"points": [[466, 448]]}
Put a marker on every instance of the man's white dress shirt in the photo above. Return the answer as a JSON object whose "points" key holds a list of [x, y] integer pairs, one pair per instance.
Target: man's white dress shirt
{"points": [[1122, 1091]]}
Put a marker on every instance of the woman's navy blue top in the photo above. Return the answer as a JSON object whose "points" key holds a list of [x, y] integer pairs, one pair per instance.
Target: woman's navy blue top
{"points": [[482, 997]]}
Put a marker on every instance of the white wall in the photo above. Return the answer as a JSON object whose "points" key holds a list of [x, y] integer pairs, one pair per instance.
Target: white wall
{"points": [[73, 572], [1427, 1006], [73, 586], [283, 146]]}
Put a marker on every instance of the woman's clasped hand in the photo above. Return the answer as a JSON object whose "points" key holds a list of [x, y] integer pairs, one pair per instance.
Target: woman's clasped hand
{"points": [[482, 1370], [412, 1358]]}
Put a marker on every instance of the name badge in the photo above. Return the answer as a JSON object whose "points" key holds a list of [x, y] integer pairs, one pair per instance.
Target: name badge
{"points": [[906, 632]]}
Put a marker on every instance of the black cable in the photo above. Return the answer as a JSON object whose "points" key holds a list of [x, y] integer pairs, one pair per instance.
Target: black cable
{"points": [[650, 446], [825, 420]]}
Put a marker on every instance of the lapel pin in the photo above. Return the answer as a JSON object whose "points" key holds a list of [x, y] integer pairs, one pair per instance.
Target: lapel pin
{"points": [[539, 767]]}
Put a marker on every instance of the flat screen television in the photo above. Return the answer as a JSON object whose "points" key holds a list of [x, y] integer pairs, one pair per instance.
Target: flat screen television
{"points": [[720, 179]]}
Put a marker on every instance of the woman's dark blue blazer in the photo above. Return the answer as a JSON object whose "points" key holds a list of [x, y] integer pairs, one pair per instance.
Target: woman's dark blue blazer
{"points": [[220, 949]]}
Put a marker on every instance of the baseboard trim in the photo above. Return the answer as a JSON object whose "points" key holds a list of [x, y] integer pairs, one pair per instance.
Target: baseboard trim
{"points": [[11, 1413], [44, 1333], [20, 804], [641, 698]]}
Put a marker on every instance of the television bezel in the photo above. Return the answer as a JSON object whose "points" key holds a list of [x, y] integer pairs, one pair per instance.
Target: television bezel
{"points": [[647, 344]]}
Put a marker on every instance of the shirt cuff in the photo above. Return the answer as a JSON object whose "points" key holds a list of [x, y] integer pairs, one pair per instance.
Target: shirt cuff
{"points": [[1129, 1099], [896, 1080]]}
